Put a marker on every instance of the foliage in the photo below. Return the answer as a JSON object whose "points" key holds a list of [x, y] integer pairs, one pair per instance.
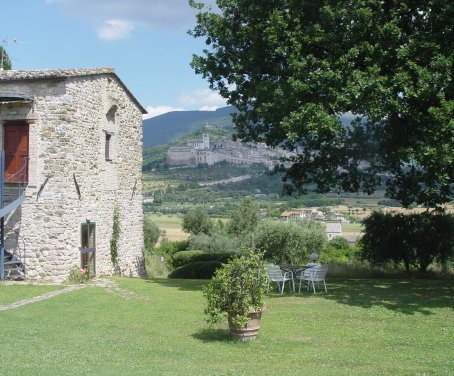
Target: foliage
{"points": [[338, 251], [171, 247], [245, 219], [236, 289], [214, 243], [290, 242], [196, 221], [292, 68], [115, 237], [79, 275], [4, 58], [155, 264], [338, 242], [187, 257], [196, 270], [153, 156], [151, 233], [415, 240]]}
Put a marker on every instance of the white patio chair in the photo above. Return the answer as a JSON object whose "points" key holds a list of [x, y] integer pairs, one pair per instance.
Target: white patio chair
{"points": [[314, 274], [275, 274]]}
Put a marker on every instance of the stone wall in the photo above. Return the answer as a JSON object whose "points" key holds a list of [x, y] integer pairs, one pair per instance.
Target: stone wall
{"points": [[70, 180]]}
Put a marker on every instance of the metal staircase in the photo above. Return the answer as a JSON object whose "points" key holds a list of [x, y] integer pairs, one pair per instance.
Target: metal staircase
{"points": [[12, 195]]}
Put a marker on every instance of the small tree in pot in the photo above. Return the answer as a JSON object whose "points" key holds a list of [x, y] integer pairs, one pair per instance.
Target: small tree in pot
{"points": [[237, 292]]}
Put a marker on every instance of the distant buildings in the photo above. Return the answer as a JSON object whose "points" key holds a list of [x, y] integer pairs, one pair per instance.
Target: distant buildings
{"points": [[333, 221], [203, 152]]}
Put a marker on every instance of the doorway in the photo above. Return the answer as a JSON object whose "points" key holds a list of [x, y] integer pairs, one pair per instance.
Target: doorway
{"points": [[88, 247], [15, 144]]}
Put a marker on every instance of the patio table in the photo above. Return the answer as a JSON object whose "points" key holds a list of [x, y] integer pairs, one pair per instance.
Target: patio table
{"points": [[295, 269]]}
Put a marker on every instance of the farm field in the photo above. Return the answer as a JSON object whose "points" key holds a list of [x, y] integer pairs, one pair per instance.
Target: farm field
{"points": [[171, 224], [156, 327]]}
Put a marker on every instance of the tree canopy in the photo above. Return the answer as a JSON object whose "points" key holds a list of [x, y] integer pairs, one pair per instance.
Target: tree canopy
{"points": [[293, 68], [196, 221], [245, 219]]}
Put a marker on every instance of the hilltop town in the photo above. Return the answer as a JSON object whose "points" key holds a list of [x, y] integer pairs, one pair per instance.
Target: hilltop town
{"points": [[197, 152]]}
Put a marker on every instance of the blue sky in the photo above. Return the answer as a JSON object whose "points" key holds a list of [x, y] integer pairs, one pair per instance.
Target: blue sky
{"points": [[145, 41]]}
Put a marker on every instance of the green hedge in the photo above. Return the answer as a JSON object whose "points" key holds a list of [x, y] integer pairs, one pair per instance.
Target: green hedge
{"points": [[196, 270], [189, 257]]}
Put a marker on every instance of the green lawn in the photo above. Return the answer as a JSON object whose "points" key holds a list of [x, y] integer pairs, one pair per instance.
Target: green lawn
{"points": [[13, 293], [361, 327]]}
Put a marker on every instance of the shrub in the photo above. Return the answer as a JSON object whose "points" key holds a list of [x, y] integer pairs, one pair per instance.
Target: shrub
{"points": [[237, 289], [214, 243], [188, 257], [333, 255], [196, 270], [79, 275], [170, 248], [290, 242]]}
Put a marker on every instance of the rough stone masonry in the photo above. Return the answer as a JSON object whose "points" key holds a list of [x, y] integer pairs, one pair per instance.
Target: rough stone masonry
{"points": [[85, 161]]}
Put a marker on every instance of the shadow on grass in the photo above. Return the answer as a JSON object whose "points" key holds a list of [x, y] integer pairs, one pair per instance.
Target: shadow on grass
{"points": [[214, 335], [404, 296], [407, 296]]}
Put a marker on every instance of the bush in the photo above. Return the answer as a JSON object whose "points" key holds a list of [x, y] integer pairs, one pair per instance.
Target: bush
{"points": [[333, 255], [189, 257], [170, 248], [196, 270], [290, 242], [214, 243]]}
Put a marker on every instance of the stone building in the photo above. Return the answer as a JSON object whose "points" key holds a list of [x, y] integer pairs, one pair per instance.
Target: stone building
{"points": [[78, 135], [204, 152]]}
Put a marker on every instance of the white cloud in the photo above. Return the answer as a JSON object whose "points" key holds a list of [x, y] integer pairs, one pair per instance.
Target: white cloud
{"points": [[115, 29], [159, 110], [202, 98], [174, 15]]}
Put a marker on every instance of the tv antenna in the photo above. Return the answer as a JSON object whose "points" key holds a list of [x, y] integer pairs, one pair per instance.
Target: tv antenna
{"points": [[4, 43]]}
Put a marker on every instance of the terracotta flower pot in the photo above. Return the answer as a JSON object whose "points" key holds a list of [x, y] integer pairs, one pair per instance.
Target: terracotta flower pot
{"points": [[249, 331]]}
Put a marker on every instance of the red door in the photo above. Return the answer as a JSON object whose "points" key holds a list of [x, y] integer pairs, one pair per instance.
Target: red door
{"points": [[15, 136]]}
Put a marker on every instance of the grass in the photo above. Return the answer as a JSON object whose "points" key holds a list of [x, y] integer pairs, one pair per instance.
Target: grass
{"points": [[13, 293], [352, 227], [171, 224], [361, 327], [166, 221]]}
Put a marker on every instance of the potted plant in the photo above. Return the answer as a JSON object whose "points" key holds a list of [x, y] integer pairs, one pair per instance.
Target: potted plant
{"points": [[237, 292]]}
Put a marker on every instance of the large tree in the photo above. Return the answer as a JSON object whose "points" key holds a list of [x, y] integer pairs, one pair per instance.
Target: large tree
{"points": [[293, 67]]}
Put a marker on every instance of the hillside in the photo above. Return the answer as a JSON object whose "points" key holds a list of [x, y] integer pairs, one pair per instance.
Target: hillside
{"points": [[164, 128], [155, 155]]}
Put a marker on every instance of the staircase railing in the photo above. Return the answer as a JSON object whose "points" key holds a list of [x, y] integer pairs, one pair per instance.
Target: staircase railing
{"points": [[6, 209]]}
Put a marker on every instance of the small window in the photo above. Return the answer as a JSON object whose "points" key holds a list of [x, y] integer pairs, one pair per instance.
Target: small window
{"points": [[107, 147]]}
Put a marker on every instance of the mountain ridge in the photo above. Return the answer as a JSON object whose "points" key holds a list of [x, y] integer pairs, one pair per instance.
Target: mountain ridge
{"points": [[162, 129]]}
